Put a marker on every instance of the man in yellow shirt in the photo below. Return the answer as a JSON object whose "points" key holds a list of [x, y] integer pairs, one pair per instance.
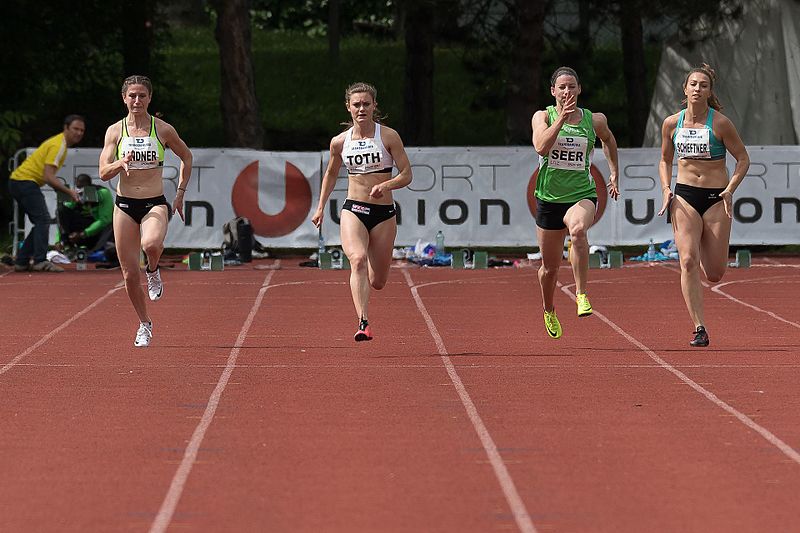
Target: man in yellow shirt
{"points": [[25, 187]]}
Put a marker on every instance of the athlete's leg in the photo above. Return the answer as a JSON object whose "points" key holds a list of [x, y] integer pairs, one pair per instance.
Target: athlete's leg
{"points": [[551, 246], [127, 241], [579, 219], [381, 243], [355, 242], [154, 230], [714, 244], [688, 228]]}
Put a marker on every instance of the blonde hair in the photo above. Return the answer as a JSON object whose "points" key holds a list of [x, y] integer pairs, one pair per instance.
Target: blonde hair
{"points": [[361, 87], [137, 80], [705, 68]]}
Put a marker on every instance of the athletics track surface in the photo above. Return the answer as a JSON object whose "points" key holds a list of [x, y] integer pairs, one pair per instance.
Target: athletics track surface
{"points": [[254, 410]]}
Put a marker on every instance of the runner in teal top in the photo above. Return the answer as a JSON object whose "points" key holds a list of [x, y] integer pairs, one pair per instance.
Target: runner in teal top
{"points": [[564, 136]]}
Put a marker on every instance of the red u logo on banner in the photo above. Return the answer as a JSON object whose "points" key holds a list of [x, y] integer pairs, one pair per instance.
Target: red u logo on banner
{"points": [[244, 199]]}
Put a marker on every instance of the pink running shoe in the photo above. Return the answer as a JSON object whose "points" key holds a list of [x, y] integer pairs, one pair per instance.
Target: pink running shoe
{"points": [[363, 333]]}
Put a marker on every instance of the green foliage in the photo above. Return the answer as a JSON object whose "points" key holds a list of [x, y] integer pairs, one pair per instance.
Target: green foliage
{"points": [[11, 123]]}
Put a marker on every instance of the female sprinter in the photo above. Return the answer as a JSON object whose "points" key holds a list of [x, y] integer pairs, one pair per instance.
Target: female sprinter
{"points": [[566, 198], [134, 150], [702, 205], [368, 224]]}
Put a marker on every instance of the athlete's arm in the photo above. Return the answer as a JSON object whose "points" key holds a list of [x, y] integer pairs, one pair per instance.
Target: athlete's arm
{"points": [[733, 143], [394, 144], [544, 135], [179, 148], [329, 179], [600, 124], [665, 164], [109, 165]]}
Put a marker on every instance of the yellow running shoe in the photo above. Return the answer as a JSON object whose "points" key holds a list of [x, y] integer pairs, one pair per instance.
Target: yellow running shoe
{"points": [[584, 307], [551, 324]]}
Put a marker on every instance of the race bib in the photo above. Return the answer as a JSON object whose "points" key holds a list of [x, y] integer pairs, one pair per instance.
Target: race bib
{"points": [[363, 155], [693, 143], [144, 149], [568, 153]]}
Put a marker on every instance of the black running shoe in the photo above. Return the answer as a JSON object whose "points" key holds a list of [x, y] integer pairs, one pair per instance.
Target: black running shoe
{"points": [[700, 338]]}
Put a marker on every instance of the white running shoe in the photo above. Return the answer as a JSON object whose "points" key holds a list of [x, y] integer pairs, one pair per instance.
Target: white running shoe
{"points": [[154, 286], [144, 335]]}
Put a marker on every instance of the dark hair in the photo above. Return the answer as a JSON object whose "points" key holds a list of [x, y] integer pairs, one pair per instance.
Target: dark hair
{"points": [[361, 87], [137, 80], [83, 178], [705, 68], [69, 119], [563, 71]]}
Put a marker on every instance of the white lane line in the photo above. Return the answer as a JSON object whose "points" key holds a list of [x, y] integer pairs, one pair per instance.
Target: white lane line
{"points": [[718, 290], [516, 504], [173, 496], [8, 366], [770, 437]]}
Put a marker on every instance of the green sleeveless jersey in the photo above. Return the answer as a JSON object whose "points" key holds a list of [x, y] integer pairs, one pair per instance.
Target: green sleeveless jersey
{"points": [[564, 172]]}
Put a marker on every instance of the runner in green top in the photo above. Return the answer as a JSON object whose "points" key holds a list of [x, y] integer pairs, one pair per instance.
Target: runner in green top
{"points": [[564, 136]]}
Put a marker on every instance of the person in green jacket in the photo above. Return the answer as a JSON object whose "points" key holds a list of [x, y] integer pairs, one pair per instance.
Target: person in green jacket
{"points": [[564, 136], [82, 224]]}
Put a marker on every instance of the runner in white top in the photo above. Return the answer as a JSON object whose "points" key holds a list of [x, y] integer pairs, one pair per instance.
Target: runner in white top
{"points": [[368, 222]]}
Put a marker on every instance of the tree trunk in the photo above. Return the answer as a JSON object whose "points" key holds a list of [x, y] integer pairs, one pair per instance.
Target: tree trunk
{"points": [[137, 38], [241, 122], [634, 70], [526, 71], [418, 88], [334, 30]]}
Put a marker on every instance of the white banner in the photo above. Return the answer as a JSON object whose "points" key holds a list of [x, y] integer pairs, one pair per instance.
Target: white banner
{"points": [[475, 196]]}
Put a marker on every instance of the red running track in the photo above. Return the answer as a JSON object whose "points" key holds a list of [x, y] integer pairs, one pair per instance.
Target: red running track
{"points": [[254, 410]]}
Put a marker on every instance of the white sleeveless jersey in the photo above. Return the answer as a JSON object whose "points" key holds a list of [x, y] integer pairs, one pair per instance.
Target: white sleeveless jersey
{"points": [[365, 156]]}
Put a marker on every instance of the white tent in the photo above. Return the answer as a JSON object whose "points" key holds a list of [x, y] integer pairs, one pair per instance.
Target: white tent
{"points": [[757, 61]]}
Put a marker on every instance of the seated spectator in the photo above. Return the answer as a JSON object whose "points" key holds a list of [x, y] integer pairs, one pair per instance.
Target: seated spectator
{"points": [[86, 224]]}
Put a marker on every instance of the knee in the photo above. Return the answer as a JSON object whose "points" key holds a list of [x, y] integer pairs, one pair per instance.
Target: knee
{"points": [[689, 262], [357, 261], [715, 275], [151, 246], [546, 271], [377, 284], [578, 235], [132, 276]]}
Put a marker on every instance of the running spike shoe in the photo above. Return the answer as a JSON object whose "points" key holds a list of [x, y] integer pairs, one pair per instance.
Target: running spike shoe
{"points": [[584, 307], [551, 324], [700, 338]]}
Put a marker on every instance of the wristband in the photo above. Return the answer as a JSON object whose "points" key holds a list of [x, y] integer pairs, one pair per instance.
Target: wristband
{"points": [[181, 189]]}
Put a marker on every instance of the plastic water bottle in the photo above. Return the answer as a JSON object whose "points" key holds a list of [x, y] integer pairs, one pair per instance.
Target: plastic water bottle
{"points": [[320, 245], [439, 243], [651, 251]]}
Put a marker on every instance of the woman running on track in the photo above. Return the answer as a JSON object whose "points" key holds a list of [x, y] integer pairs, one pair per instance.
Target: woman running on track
{"points": [[134, 150], [701, 207], [564, 137], [368, 223]]}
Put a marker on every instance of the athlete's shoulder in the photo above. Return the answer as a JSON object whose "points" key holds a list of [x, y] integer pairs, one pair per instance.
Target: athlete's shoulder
{"points": [[389, 133], [672, 120]]}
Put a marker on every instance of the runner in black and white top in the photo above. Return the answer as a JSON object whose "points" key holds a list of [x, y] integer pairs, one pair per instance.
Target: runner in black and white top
{"points": [[369, 151]]}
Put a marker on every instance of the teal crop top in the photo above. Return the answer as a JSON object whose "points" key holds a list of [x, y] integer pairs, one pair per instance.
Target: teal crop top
{"points": [[697, 143]]}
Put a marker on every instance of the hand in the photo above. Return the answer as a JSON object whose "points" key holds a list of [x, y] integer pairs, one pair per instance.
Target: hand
{"points": [[727, 199], [568, 105], [74, 237], [665, 201], [127, 158], [177, 205], [613, 190], [377, 191], [75, 196], [317, 218]]}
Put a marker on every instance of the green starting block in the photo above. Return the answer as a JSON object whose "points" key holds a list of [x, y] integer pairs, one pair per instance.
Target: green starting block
{"points": [[333, 261], [614, 260], [480, 260], [742, 259], [206, 261]]}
